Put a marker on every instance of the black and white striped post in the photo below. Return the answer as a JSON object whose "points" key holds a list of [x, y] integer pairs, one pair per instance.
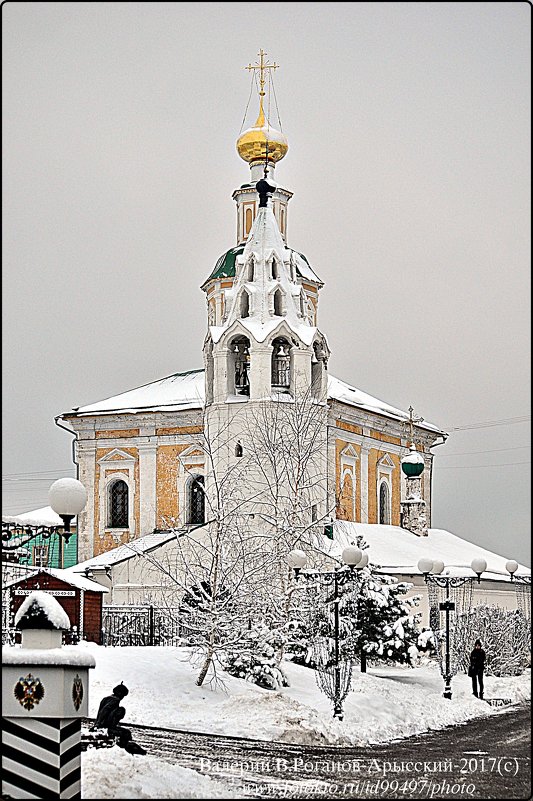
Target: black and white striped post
{"points": [[45, 691]]}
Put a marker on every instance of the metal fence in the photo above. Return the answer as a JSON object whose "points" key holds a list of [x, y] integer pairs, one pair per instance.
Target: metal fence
{"points": [[142, 625]]}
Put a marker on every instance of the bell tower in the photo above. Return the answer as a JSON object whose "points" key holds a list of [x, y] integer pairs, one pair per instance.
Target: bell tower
{"points": [[262, 297]]}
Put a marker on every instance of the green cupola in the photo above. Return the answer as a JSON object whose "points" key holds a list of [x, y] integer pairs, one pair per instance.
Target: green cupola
{"points": [[413, 463]]}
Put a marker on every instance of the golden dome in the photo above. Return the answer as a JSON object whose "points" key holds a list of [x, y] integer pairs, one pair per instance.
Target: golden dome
{"points": [[252, 143]]}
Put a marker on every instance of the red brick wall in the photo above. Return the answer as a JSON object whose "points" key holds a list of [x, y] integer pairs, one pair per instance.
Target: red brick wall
{"points": [[92, 616]]}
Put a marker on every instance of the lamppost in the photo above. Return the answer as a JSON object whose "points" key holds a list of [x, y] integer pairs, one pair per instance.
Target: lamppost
{"points": [[511, 566], [67, 497], [432, 570], [344, 574], [522, 592]]}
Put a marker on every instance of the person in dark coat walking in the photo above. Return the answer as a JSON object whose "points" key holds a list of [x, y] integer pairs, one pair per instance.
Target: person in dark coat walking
{"points": [[110, 713], [477, 666]]}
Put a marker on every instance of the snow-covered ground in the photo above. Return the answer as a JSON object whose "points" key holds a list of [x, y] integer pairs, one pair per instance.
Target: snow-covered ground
{"points": [[386, 703]]}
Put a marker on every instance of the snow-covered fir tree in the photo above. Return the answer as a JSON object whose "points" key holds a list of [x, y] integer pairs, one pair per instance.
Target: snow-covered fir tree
{"points": [[376, 620], [259, 657]]}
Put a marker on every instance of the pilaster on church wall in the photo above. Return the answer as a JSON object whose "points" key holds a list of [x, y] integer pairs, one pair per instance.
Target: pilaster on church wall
{"points": [[301, 366], [426, 486], [220, 375], [147, 483], [396, 490], [260, 371], [86, 457], [364, 482]]}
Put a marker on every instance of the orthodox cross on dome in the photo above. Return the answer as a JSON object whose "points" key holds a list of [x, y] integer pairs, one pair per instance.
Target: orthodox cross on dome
{"points": [[262, 67], [412, 420]]}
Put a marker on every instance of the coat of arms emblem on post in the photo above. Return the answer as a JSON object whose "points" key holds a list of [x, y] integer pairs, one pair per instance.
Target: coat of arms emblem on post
{"points": [[28, 691], [77, 692]]}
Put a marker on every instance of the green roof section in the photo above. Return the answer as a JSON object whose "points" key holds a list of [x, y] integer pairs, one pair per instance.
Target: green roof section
{"points": [[225, 265]]}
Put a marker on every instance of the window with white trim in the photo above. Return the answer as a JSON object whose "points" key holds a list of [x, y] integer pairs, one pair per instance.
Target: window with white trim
{"points": [[195, 500], [117, 504], [384, 503]]}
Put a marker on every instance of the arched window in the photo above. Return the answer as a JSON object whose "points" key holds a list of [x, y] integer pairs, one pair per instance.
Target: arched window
{"points": [[238, 448], [118, 504], [250, 270], [282, 221], [240, 358], [248, 221], [195, 500], [384, 503], [275, 274], [278, 303], [245, 304], [281, 364]]}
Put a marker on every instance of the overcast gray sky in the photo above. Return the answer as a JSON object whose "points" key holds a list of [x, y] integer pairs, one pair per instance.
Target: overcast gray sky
{"points": [[409, 141]]}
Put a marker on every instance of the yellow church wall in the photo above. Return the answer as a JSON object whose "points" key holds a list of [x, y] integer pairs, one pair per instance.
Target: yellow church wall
{"points": [[130, 432], [345, 503], [167, 469], [344, 499], [385, 438], [348, 427], [110, 540]]}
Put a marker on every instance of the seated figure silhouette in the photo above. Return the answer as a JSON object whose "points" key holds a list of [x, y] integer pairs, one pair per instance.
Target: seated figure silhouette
{"points": [[110, 714]]}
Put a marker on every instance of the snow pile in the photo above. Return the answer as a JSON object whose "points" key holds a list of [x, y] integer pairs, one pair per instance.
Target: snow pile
{"points": [[113, 773], [42, 606], [288, 720]]}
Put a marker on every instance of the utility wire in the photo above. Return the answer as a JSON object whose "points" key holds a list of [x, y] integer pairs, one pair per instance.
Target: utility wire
{"points": [[489, 423], [492, 450], [476, 466], [38, 472]]}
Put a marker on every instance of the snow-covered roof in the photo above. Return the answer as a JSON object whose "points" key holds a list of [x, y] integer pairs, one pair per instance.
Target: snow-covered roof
{"points": [[186, 391], [345, 393], [225, 265], [397, 550], [67, 576], [41, 602], [142, 545], [45, 516], [174, 392]]}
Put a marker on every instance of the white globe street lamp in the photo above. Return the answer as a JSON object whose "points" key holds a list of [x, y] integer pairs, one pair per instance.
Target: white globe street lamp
{"points": [[512, 566], [352, 557], [67, 497], [432, 570], [297, 559]]}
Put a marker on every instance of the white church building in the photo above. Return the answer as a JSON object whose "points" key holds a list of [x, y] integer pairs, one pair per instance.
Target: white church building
{"points": [[142, 454]]}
